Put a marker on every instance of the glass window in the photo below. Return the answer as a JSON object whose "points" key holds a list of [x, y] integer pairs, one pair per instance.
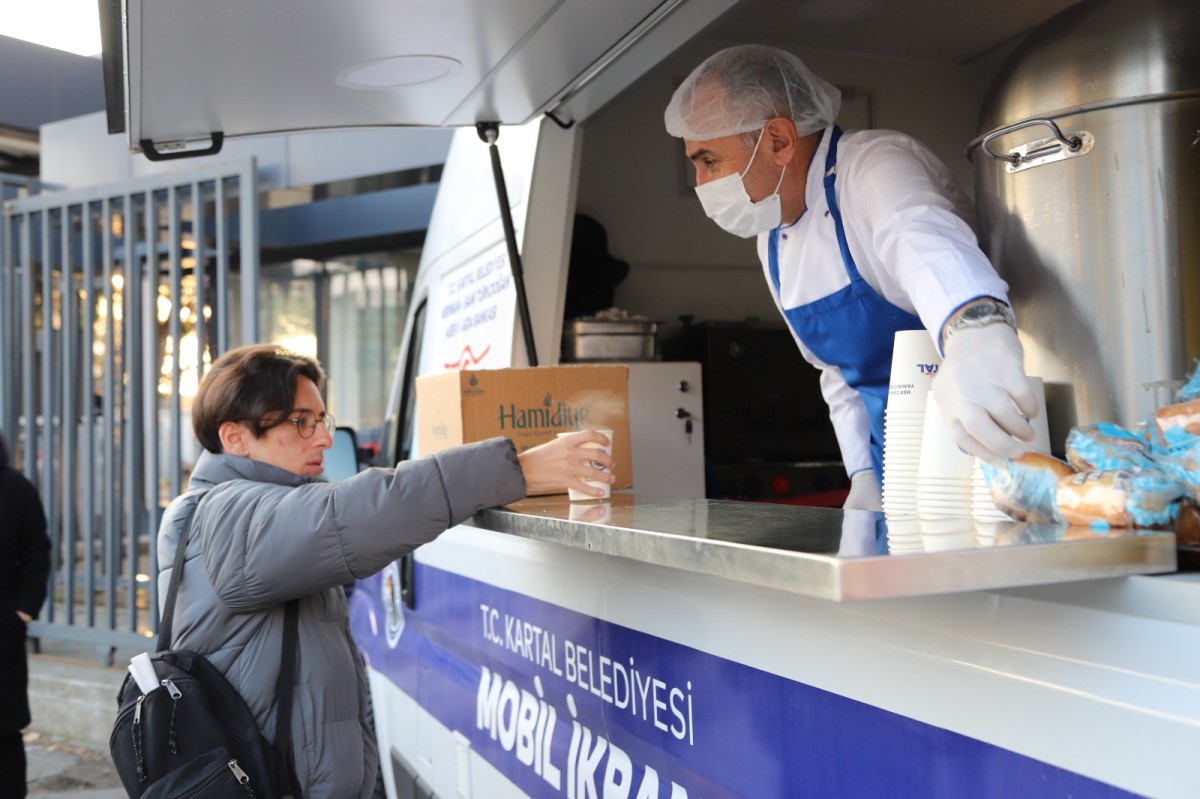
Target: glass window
{"points": [[349, 312]]}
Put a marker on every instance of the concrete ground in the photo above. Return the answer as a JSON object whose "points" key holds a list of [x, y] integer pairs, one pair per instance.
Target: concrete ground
{"points": [[73, 699], [60, 768]]}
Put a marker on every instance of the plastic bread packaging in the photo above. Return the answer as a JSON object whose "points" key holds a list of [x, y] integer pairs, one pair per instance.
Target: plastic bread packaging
{"points": [[1176, 426], [1175, 442], [1120, 498], [1106, 447], [1182, 462], [1025, 488]]}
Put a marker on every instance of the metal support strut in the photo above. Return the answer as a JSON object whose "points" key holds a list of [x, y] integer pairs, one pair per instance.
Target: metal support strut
{"points": [[489, 132]]}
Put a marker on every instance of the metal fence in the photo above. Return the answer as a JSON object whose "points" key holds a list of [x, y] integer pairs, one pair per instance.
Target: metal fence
{"points": [[113, 302]]}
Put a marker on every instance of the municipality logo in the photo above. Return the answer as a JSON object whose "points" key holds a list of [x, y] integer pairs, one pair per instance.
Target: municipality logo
{"points": [[473, 385]]}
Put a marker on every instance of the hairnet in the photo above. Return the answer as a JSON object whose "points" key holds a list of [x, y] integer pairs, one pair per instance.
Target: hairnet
{"points": [[740, 88]]}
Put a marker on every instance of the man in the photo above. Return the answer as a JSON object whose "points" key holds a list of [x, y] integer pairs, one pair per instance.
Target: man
{"points": [[24, 568], [267, 529], [860, 235]]}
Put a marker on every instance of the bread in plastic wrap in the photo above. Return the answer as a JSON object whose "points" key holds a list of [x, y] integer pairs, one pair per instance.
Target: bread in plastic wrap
{"points": [[1120, 498], [1176, 425], [1175, 442], [1106, 447], [1024, 488], [1190, 390]]}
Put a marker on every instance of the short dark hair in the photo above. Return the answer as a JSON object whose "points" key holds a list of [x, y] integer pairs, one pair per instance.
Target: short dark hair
{"points": [[248, 384]]}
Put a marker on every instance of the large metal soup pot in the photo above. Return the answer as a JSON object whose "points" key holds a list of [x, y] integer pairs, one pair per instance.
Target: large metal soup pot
{"points": [[1087, 182]]}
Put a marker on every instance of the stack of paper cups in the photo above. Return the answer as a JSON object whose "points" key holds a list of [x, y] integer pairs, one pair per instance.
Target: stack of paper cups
{"points": [[943, 541], [943, 476], [914, 363], [983, 508], [904, 535]]}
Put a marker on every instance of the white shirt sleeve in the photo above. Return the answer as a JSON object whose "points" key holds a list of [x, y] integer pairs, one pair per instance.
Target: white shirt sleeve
{"points": [[909, 227]]}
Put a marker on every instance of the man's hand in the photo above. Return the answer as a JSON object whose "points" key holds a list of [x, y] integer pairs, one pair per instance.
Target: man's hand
{"points": [[864, 492], [983, 393], [564, 463], [23, 616]]}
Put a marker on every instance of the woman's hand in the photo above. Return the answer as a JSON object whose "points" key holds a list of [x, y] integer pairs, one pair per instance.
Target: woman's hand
{"points": [[565, 462]]}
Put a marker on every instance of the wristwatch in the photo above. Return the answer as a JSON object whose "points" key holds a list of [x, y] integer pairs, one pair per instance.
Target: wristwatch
{"points": [[978, 313]]}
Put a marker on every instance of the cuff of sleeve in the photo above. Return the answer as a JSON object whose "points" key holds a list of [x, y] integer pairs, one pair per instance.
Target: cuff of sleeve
{"points": [[941, 330], [482, 475]]}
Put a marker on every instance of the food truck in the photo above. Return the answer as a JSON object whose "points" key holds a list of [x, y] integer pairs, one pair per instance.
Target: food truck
{"points": [[664, 645]]}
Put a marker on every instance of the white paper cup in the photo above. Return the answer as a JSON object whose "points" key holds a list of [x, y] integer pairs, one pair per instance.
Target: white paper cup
{"points": [[941, 542], [595, 512], [1041, 425], [945, 525], [945, 472], [576, 496], [983, 507], [985, 530], [901, 525], [941, 458], [914, 363]]}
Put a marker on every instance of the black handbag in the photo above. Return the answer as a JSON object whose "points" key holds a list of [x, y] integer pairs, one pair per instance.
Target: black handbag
{"points": [[194, 736]]}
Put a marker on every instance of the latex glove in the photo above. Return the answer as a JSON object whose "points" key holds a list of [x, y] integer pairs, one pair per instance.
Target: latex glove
{"points": [[864, 492], [858, 533], [984, 395]]}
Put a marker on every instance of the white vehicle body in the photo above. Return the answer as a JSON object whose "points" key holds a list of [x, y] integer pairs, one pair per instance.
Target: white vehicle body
{"points": [[527, 668]]}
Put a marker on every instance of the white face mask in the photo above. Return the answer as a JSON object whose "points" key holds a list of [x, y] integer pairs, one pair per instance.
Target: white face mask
{"points": [[726, 202]]}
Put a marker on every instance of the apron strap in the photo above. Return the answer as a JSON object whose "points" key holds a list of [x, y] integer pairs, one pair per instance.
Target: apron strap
{"points": [[834, 211]]}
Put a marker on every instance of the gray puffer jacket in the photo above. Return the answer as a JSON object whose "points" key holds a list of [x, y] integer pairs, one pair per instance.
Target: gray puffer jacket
{"points": [[262, 536]]}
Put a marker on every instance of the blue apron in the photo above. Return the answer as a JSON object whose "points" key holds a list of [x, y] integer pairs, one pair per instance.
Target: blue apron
{"points": [[854, 328]]}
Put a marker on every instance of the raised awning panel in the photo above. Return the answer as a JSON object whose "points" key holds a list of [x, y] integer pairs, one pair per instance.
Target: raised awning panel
{"points": [[244, 67]]}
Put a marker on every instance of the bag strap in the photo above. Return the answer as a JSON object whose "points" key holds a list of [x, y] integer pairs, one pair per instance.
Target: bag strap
{"points": [[286, 688], [168, 614], [286, 682]]}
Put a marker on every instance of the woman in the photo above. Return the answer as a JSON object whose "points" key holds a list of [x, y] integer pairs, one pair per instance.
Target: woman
{"points": [[267, 530], [24, 567]]}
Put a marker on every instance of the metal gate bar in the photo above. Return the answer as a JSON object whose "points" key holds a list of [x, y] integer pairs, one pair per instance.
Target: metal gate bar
{"points": [[112, 301]]}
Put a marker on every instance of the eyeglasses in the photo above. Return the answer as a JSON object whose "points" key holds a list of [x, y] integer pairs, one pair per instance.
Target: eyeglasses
{"points": [[307, 422]]}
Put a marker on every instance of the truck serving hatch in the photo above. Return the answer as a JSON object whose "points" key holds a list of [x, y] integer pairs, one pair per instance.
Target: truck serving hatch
{"points": [[181, 74]]}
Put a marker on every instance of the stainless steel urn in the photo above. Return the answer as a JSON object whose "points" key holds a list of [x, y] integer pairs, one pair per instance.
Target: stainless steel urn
{"points": [[1087, 182]]}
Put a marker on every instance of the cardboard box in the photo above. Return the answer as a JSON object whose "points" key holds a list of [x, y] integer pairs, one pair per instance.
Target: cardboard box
{"points": [[529, 405]]}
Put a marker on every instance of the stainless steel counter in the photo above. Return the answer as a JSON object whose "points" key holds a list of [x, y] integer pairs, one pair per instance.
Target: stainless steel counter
{"points": [[833, 554]]}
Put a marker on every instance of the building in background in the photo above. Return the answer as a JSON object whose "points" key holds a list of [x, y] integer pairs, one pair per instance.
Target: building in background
{"points": [[40, 85]]}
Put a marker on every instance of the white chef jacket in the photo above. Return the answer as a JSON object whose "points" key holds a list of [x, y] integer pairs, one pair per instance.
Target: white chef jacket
{"points": [[909, 229]]}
